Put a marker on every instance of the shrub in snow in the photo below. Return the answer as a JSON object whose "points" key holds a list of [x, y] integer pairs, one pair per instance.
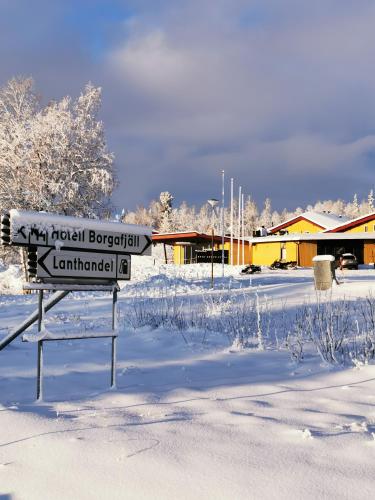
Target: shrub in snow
{"points": [[10, 280], [244, 320], [340, 331]]}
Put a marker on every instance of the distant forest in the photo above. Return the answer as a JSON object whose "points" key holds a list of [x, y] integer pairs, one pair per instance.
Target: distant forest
{"points": [[163, 216]]}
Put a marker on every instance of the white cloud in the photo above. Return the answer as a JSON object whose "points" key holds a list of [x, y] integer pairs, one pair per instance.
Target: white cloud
{"points": [[276, 89], [288, 91], [152, 65]]}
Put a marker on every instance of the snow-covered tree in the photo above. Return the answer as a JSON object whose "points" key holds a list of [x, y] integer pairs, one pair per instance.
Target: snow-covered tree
{"points": [[370, 201], [276, 219], [352, 210], [166, 222], [53, 158], [251, 216], [206, 219], [186, 217], [266, 215], [338, 207], [141, 216], [355, 204]]}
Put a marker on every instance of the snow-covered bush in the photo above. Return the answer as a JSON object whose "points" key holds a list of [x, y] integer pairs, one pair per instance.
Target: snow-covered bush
{"points": [[341, 331], [331, 327], [244, 320]]}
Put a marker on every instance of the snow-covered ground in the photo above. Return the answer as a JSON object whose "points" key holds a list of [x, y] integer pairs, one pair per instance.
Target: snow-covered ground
{"points": [[192, 417]]}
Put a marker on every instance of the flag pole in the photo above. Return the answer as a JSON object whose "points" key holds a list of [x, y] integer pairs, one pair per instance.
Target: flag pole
{"points": [[222, 219], [239, 226], [231, 221]]}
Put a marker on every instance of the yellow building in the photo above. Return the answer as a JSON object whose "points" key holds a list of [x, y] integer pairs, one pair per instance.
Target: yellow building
{"points": [[301, 238], [308, 222], [362, 224], [298, 239]]}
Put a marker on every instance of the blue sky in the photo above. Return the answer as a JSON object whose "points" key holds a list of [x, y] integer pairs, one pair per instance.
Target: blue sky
{"points": [[279, 93]]}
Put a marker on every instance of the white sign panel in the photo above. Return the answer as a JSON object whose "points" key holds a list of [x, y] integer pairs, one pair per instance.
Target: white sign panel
{"points": [[38, 229], [54, 263]]}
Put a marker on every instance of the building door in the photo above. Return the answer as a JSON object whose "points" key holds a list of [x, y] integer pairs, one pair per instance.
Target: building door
{"points": [[283, 253]]}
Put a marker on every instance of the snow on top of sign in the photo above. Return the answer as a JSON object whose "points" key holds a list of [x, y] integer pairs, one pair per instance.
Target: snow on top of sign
{"points": [[62, 222]]}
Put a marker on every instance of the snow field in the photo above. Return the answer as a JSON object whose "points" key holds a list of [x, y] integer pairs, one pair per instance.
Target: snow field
{"points": [[189, 419]]}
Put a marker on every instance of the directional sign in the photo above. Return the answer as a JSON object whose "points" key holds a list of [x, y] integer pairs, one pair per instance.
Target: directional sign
{"points": [[45, 230], [57, 264]]}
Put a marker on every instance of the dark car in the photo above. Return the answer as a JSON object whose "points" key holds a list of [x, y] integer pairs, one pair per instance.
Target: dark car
{"points": [[347, 261]]}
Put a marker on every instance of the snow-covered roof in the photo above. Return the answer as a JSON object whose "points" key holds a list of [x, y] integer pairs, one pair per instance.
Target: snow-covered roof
{"points": [[346, 224], [312, 237], [324, 220]]}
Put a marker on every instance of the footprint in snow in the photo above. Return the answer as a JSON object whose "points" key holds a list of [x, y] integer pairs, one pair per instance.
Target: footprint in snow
{"points": [[78, 438], [242, 414], [264, 404]]}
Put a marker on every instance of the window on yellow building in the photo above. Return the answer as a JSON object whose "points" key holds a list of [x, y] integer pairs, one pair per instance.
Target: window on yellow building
{"points": [[366, 229]]}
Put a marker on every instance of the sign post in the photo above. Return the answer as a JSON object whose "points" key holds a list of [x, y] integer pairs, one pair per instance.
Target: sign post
{"points": [[55, 265], [76, 233], [69, 254]]}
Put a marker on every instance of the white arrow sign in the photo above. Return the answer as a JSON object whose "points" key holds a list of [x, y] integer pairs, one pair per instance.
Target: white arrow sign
{"points": [[54, 263], [46, 230]]}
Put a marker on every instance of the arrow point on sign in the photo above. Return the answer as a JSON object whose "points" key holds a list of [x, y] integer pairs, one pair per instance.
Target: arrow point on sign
{"points": [[42, 259], [148, 243], [21, 231]]}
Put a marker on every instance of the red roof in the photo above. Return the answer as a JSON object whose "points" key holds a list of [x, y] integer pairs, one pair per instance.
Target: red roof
{"points": [[293, 221], [353, 223], [187, 236]]}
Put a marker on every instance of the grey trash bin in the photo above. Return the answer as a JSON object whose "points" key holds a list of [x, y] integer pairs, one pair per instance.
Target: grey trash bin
{"points": [[324, 271]]}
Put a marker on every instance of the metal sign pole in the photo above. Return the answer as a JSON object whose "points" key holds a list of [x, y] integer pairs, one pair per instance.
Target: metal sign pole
{"points": [[39, 388], [239, 226], [231, 221], [114, 338]]}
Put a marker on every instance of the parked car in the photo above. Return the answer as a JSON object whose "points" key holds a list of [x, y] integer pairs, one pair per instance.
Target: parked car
{"points": [[347, 261]]}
